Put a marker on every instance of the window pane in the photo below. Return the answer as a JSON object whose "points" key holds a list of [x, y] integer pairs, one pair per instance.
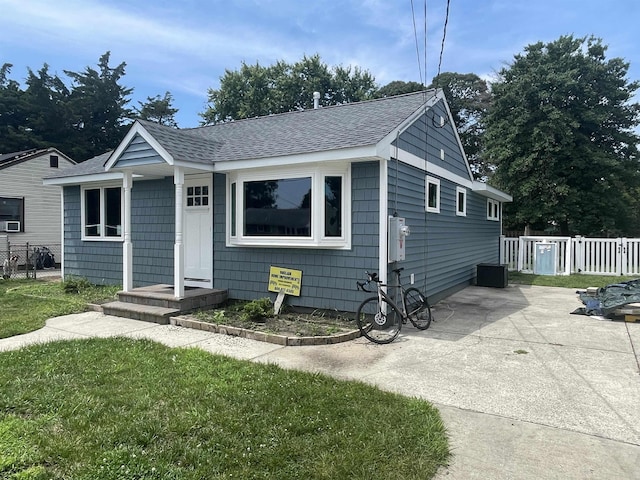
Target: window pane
{"points": [[333, 206], [278, 208], [433, 196], [460, 202], [113, 212], [92, 212], [11, 209]]}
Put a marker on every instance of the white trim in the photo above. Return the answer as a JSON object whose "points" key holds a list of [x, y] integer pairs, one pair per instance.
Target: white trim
{"points": [[178, 246], [137, 129], [317, 239], [417, 162], [127, 246], [62, 233], [461, 212], [383, 221], [81, 179], [429, 180], [342, 155], [476, 186]]}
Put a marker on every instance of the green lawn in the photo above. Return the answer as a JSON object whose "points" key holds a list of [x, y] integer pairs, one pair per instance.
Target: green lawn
{"points": [[125, 409], [27, 304], [567, 281]]}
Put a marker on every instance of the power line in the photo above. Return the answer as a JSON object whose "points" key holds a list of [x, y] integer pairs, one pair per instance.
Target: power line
{"points": [[444, 36], [415, 35]]}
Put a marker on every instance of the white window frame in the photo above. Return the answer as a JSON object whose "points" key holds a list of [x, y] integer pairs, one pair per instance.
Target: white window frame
{"points": [[493, 210], [102, 237], [431, 181], [461, 207], [318, 239]]}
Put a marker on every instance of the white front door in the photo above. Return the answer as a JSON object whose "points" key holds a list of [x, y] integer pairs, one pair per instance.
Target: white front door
{"points": [[198, 231]]}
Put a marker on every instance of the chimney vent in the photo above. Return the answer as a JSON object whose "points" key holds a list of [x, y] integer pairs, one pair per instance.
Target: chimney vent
{"points": [[316, 100]]}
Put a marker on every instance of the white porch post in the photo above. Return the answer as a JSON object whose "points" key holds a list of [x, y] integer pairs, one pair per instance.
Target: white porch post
{"points": [[127, 246], [178, 248]]}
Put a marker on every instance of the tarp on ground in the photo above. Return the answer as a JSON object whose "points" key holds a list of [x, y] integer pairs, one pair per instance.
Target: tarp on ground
{"points": [[608, 299]]}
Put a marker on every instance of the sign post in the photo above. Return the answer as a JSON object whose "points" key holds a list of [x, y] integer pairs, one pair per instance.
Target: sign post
{"points": [[284, 281]]}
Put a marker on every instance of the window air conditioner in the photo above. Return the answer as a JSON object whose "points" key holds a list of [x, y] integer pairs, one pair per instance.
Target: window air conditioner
{"points": [[12, 226]]}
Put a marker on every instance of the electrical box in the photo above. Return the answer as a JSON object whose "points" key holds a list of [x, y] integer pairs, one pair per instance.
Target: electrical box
{"points": [[398, 232]]}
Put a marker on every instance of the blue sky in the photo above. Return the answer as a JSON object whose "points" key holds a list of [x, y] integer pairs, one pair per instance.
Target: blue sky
{"points": [[184, 46]]}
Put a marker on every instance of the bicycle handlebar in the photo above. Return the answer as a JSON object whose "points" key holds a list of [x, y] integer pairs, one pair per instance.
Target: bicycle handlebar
{"points": [[372, 277]]}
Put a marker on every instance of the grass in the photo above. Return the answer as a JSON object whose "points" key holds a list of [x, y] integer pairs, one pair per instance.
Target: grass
{"points": [[27, 304], [567, 281], [123, 408]]}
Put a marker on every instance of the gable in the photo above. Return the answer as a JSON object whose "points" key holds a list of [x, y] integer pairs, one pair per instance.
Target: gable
{"points": [[138, 152], [443, 148]]}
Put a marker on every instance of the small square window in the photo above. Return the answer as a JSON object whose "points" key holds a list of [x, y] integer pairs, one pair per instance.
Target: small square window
{"points": [[53, 161]]}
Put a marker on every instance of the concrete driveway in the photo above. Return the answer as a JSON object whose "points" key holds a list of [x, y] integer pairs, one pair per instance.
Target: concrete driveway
{"points": [[526, 390]]}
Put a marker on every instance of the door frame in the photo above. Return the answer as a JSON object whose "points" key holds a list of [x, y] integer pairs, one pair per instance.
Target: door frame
{"points": [[191, 180]]}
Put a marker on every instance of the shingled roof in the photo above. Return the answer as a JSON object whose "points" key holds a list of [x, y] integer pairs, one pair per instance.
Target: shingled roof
{"points": [[328, 128], [323, 129]]}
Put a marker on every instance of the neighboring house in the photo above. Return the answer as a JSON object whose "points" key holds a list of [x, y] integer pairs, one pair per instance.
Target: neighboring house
{"points": [[30, 212], [312, 190]]}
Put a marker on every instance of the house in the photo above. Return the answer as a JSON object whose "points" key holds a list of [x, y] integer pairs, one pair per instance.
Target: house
{"points": [[31, 212], [311, 192]]}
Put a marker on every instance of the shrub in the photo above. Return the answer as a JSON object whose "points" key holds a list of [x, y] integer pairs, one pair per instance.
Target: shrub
{"points": [[258, 309]]}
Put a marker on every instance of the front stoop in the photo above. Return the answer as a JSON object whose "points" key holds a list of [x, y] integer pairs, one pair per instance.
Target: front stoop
{"points": [[157, 303]]}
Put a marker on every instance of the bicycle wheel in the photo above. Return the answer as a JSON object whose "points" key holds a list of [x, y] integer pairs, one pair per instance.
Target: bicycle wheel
{"points": [[418, 309], [378, 323]]}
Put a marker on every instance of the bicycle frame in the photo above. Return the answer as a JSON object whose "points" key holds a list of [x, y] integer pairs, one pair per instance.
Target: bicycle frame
{"points": [[380, 287]]}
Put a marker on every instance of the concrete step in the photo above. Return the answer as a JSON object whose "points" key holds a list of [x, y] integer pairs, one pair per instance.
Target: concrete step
{"points": [[162, 296], [146, 313]]}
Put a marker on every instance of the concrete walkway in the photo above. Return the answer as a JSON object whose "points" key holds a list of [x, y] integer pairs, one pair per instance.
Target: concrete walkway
{"points": [[526, 390]]}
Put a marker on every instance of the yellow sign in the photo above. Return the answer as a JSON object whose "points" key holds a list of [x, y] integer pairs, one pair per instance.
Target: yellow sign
{"points": [[285, 280]]}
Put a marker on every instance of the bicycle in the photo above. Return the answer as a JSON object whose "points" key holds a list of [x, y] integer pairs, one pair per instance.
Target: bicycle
{"points": [[380, 318]]}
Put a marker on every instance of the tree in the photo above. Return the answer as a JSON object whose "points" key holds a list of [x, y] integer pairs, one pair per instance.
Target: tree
{"points": [[48, 117], [560, 133], [398, 87], [98, 108], [255, 90], [13, 114], [469, 100], [159, 110]]}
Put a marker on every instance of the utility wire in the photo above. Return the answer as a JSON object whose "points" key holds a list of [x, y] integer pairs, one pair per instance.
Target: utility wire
{"points": [[415, 35], [444, 36]]}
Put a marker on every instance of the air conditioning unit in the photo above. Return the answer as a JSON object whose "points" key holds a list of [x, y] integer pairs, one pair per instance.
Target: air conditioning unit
{"points": [[11, 226]]}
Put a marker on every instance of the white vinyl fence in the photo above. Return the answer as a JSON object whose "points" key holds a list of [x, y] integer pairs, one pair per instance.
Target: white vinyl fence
{"points": [[594, 256]]}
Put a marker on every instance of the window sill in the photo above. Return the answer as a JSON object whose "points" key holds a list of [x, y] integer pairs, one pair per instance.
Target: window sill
{"points": [[102, 239], [289, 243]]}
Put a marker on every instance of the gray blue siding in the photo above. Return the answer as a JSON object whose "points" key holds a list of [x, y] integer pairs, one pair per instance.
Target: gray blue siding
{"points": [[412, 140], [152, 235], [328, 276], [443, 248]]}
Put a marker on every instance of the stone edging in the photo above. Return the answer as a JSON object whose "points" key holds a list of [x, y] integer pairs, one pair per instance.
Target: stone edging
{"points": [[183, 321]]}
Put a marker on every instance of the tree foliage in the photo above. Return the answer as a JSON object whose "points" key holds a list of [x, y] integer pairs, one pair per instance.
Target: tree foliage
{"points": [[561, 134], [469, 99], [255, 90], [83, 116], [159, 110], [398, 87]]}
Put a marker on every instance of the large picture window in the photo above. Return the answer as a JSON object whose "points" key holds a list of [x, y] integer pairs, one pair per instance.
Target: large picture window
{"points": [[102, 213], [305, 207]]}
